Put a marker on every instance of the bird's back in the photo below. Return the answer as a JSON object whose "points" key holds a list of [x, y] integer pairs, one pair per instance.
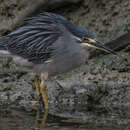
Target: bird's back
{"points": [[33, 40], [37, 38]]}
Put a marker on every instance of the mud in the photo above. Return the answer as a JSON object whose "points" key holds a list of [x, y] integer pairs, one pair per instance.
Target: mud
{"points": [[102, 86]]}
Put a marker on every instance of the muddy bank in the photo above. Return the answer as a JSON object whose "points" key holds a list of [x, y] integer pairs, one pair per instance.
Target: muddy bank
{"points": [[101, 86], [13, 12]]}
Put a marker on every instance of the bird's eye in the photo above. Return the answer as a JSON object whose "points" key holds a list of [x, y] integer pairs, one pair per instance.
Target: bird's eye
{"points": [[85, 39]]}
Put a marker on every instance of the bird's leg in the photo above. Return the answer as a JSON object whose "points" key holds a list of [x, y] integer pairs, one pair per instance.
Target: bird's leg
{"points": [[43, 90], [43, 98], [37, 89], [37, 86], [44, 77]]}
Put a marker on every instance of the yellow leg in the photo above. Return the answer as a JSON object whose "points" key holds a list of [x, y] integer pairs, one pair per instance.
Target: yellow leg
{"points": [[44, 97], [43, 120], [37, 89], [37, 85]]}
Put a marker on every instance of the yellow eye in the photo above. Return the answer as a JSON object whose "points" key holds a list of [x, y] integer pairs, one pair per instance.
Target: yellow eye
{"points": [[85, 39]]}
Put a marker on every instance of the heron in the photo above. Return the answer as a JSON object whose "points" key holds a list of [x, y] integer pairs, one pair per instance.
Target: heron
{"points": [[48, 44]]}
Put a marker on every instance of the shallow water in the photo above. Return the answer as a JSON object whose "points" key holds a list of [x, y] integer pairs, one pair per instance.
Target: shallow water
{"points": [[11, 119]]}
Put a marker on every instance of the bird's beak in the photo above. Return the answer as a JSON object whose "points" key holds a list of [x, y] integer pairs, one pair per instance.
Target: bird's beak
{"points": [[98, 45]]}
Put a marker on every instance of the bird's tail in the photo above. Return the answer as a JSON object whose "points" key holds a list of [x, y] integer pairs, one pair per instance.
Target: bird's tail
{"points": [[3, 42], [3, 46]]}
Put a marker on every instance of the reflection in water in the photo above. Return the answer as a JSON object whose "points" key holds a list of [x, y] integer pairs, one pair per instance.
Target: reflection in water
{"points": [[11, 119], [43, 121]]}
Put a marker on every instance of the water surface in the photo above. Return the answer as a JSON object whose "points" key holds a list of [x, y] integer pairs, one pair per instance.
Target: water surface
{"points": [[15, 119]]}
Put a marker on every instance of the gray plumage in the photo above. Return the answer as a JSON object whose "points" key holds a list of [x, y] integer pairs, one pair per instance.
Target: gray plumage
{"points": [[44, 38], [49, 43]]}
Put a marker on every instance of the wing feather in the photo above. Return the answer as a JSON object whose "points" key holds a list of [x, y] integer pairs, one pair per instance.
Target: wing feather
{"points": [[35, 39]]}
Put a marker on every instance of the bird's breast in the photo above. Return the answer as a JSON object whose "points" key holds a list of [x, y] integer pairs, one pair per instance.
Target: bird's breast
{"points": [[67, 62]]}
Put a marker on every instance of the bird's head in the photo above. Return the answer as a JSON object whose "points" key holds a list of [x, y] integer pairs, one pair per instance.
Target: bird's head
{"points": [[87, 38]]}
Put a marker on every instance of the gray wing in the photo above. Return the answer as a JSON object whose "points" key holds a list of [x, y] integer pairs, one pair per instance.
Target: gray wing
{"points": [[35, 39]]}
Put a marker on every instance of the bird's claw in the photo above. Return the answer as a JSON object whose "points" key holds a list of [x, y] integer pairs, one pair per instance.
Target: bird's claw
{"points": [[34, 102], [39, 101]]}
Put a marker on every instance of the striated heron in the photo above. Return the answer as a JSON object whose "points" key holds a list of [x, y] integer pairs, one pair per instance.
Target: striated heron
{"points": [[48, 44]]}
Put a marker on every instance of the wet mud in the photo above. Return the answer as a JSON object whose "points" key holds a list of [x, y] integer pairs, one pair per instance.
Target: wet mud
{"points": [[96, 93]]}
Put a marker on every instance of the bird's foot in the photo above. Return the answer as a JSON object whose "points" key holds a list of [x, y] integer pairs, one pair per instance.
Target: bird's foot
{"points": [[34, 102], [39, 101]]}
